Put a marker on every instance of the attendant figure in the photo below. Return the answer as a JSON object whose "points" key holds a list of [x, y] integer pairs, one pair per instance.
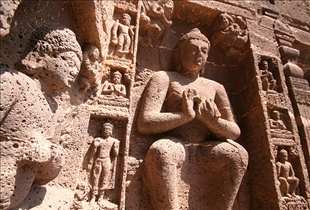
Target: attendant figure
{"points": [[103, 151], [268, 82]]}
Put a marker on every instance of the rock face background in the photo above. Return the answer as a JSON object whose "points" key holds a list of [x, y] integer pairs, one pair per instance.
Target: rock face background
{"points": [[272, 30]]}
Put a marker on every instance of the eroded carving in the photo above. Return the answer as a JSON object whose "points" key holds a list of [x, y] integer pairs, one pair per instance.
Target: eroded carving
{"points": [[7, 11], [230, 34], [28, 158], [55, 59], [286, 175], [155, 20], [92, 73], [126, 5], [143, 77], [177, 105], [268, 82], [81, 194], [102, 157]]}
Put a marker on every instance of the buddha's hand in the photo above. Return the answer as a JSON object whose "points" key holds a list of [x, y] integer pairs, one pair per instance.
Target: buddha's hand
{"points": [[188, 102], [207, 109]]}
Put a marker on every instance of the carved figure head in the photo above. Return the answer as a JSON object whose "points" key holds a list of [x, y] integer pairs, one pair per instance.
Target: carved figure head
{"points": [[117, 76], [191, 52], [275, 115], [91, 51], [283, 155], [222, 21], [263, 65], [126, 19], [55, 59], [107, 129]]}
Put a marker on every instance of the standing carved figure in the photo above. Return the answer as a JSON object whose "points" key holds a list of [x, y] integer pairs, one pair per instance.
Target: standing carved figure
{"points": [[28, 158], [286, 175], [187, 108], [268, 82], [104, 151], [122, 35]]}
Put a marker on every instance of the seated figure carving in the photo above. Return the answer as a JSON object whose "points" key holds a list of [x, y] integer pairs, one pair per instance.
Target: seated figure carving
{"points": [[196, 123], [114, 89], [277, 126], [286, 175], [28, 157], [268, 82]]}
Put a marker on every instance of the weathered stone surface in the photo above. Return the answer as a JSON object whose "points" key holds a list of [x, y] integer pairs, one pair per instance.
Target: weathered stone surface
{"points": [[7, 9], [208, 100]]}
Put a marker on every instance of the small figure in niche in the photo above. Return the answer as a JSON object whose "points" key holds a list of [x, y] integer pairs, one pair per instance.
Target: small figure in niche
{"points": [[230, 34], [286, 175], [115, 89], [275, 122], [122, 35], [92, 71], [268, 82], [104, 151]]}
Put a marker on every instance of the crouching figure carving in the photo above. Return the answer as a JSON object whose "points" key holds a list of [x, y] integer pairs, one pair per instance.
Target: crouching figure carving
{"points": [[286, 175], [194, 116]]}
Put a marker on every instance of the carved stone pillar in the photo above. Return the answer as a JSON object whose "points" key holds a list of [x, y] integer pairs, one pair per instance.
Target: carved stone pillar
{"points": [[280, 132], [299, 90]]}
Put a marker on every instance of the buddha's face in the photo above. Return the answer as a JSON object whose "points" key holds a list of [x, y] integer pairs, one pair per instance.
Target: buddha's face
{"points": [[194, 54], [60, 70]]}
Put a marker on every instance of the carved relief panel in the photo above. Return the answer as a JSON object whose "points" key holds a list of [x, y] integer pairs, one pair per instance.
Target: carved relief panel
{"points": [[122, 32], [100, 181], [270, 76]]}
